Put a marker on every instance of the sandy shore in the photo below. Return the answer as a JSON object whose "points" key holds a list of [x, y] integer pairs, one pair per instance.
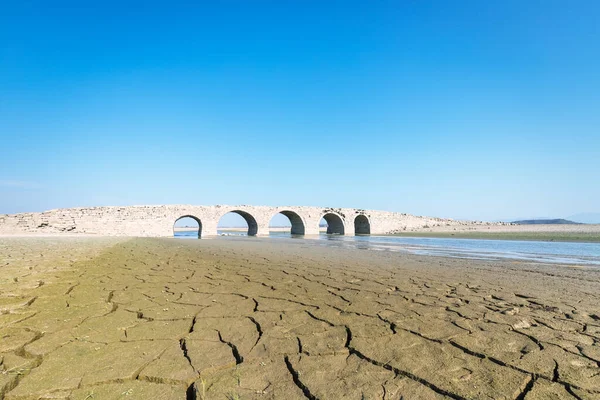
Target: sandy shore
{"points": [[104, 318]]}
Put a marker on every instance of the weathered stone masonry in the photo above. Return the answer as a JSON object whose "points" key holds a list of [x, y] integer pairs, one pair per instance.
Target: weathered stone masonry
{"points": [[158, 220]]}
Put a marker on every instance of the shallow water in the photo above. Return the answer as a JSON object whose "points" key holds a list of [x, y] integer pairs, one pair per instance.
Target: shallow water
{"points": [[538, 251], [546, 252]]}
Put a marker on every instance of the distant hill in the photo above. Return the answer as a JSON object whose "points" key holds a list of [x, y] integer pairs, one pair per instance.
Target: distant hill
{"points": [[558, 221]]}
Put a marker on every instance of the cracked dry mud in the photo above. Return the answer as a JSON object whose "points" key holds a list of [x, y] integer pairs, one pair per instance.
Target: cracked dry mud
{"points": [[108, 318]]}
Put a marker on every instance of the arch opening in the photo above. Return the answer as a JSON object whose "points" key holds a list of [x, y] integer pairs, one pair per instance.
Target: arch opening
{"points": [[187, 227], [334, 224], [293, 224], [237, 222], [362, 226]]}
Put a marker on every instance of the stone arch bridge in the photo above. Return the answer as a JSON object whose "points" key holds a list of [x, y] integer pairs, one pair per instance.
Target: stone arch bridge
{"points": [[159, 220]]}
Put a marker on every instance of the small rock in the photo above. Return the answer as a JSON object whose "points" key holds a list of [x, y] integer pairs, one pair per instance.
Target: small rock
{"points": [[523, 324], [511, 311]]}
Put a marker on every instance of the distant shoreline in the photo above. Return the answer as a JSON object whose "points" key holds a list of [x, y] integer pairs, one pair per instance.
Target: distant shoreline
{"points": [[548, 233], [527, 236]]}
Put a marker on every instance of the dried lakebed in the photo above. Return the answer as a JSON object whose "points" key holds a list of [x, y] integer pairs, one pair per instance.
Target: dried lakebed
{"points": [[94, 318]]}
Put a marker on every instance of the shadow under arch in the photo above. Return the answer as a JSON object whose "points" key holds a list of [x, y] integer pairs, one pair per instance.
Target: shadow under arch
{"points": [[335, 224], [195, 219], [250, 220], [298, 227], [362, 225]]}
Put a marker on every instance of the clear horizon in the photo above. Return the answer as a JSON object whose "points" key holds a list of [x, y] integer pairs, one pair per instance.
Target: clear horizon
{"points": [[482, 112]]}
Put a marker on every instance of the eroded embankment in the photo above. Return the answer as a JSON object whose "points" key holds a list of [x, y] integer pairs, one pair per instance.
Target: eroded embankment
{"points": [[160, 318]]}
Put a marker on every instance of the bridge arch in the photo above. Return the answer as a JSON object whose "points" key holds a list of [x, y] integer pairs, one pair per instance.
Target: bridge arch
{"points": [[335, 224], [298, 225], [250, 220], [190, 217], [362, 225]]}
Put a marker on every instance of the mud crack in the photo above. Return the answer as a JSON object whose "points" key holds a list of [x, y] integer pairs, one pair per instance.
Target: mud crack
{"points": [[297, 381], [234, 350]]}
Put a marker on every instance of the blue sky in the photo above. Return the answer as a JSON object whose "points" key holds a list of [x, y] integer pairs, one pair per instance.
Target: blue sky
{"points": [[467, 109]]}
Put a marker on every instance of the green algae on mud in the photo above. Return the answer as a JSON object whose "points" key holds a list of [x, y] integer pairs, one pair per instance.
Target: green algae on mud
{"points": [[251, 319]]}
